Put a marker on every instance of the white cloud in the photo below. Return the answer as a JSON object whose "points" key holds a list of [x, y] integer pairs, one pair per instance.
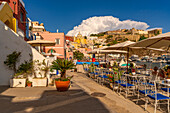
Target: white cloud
{"points": [[95, 25]]}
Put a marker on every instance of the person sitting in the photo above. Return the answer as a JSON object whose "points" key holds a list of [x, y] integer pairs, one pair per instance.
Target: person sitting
{"points": [[168, 73], [154, 73], [131, 69], [161, 74]]}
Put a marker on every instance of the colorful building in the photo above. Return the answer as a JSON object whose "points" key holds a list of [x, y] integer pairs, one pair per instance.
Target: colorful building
{"points": [[70, 38], [36, 27], [59, 38], [7, 16], [19, 13], [79, 41]]}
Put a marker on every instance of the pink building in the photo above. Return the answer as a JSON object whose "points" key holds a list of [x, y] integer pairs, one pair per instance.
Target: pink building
{"points": [[59, 47]]}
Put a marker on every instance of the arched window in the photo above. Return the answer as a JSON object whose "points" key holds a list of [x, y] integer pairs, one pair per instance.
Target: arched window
{"points": [[51, 51]]}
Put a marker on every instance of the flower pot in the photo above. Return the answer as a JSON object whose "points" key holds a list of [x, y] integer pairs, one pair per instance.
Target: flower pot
{"points": [[75, 70], [29, 84], [17, 82], [39, 82], [62, 85], [111, 85]]}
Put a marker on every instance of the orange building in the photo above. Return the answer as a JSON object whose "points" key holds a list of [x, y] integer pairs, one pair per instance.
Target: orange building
{"points": [[59, 47]]}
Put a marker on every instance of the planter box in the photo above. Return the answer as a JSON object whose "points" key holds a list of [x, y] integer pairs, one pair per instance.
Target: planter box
{"points": [[17, 82], [39, 82]]}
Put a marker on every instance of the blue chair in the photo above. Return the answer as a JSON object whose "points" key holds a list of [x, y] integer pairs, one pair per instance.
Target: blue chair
{"points": [[154, 95], [165, 89], [127, 85], [124, 83], [145, 92]]}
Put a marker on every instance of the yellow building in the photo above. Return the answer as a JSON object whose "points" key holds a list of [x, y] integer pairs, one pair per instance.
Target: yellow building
{"points": [[79, 41], [6, 16]]}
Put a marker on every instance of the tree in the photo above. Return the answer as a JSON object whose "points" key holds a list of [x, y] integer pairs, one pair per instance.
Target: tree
{"points": [[113, 42], [78, 55], [142, 37], [62, 65], [108, 44], [12, 60], [85, 37], [157, 33], [109, 38], [98, 35], [25, 67], [96, 44]]}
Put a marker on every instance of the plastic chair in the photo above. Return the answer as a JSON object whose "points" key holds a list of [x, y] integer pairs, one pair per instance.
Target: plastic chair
{"points": [[124, 83], [157, 97]]}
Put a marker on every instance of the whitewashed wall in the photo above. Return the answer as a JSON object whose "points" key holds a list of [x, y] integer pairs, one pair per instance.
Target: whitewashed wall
{"points": [[10, 42]]}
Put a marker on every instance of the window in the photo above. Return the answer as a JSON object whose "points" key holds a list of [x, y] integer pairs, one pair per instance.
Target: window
{"points": [[21, 16], [57, 41], [51, 51]]}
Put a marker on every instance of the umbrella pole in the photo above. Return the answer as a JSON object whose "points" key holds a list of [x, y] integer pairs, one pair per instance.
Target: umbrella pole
{"points": [[40, 48], [98, 60], [127, 59], [98, 57]]}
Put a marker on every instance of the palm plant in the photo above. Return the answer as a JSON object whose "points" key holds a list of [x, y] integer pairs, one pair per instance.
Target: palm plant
{"points": [[62, 65], [45, 68]]}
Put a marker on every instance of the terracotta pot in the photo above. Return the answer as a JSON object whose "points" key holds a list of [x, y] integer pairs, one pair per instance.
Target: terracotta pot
{"points": [[62, 85], [75, 70], [29, 84]]}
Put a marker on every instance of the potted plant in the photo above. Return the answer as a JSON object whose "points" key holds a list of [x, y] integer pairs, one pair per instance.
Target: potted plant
{"points": [[40, 76], [79, 56], [62, 83], [111, 79], [11, 62], [92, 70], [24, 70], [29, 83]]}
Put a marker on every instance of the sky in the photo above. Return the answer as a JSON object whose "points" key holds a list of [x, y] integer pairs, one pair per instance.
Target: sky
{"points": [[66, 14]]}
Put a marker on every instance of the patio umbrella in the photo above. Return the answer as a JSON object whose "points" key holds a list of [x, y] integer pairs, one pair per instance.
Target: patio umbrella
{"points": [[99, 51], [41, 43], [55, 54], [126, 46], [161, 41], [118, 46], [107, 51]]}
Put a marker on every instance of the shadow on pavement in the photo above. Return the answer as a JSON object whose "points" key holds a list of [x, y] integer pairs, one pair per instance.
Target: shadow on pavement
{"points": [[52, 101], [3, 88]]}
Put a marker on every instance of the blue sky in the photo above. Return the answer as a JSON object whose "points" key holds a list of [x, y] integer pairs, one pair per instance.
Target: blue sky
{"points": [[65, 14]]}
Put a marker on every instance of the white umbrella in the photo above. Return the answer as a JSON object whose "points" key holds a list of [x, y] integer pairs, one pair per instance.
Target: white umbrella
{"points": [[119, 46], [148, 48], [98, 51], [126, 46], [41, 43], [160, 41], [55, 54]]}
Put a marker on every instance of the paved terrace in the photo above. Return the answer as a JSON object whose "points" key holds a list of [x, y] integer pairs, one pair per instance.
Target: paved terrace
{"points": [[84, 96]]}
